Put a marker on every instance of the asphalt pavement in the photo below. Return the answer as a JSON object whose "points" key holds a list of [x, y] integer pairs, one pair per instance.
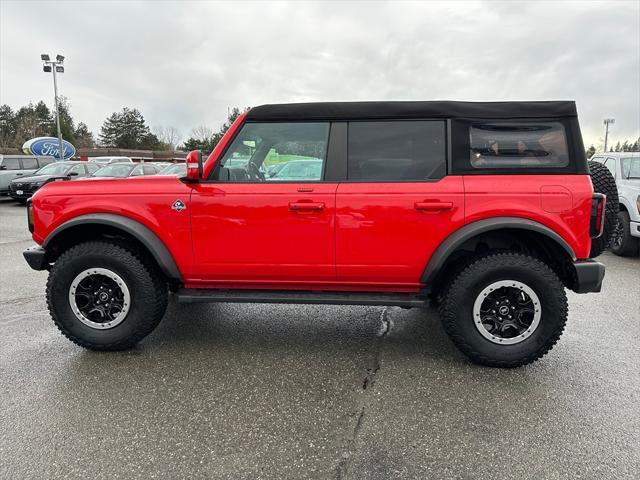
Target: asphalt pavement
{"points": [[295, 392]]}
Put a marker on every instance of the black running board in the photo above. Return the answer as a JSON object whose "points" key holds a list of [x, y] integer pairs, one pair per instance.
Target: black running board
{"points": [[189, 295]]}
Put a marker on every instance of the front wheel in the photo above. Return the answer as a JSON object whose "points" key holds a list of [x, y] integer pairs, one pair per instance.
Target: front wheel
{"points": [[104, 296], [505, 310]]}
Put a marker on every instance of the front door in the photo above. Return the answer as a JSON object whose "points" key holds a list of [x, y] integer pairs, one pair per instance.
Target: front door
{"points": [[266, 216]]}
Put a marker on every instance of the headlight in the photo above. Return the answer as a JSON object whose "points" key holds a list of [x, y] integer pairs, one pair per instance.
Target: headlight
{"points": [[39, 184], [638, 203]]}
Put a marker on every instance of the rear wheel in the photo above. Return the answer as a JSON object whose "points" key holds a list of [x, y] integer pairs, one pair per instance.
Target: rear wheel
{"points": [[105, 296], [505, 310], [603, 182], [622, 243]]}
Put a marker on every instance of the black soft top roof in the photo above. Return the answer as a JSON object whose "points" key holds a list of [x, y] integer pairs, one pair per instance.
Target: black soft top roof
{"points": [[435, 109]]}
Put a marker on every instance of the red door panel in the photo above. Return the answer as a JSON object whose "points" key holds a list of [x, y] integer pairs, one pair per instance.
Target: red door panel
{"points": [[386, 232], [264, 232]]}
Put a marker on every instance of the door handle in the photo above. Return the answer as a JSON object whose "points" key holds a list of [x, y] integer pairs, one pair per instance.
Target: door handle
{"points": [[433, 206], [306, 206], [18, 174]]}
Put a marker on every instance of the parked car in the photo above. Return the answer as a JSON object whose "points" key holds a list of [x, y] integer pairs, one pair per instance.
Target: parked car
{"points": [[176, 169], [23, 187], [12, 166], [107, 160], [625, 168], [486, 209], [122, 170], [298, 170]]}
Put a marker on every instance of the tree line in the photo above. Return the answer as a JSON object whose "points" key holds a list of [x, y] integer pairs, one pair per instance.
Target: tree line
{"points": [[128, 129], [626, 146], [125, 129]]}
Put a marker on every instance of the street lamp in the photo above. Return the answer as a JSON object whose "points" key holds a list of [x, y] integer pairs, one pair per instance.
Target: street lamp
{"points": [[607, 122], [55, 66]]}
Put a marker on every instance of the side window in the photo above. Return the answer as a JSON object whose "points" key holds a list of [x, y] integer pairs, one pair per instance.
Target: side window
{"points": [[396, 151], [29, 164], [149, 170], [610, 163], [137, 171], [630, 167], [276, 152], [42, 161], [514, 145], [92, 168], [11, 164]]}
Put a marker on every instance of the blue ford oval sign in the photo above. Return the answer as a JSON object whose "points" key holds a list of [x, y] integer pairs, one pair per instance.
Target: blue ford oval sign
{"points": [[49, 146]]}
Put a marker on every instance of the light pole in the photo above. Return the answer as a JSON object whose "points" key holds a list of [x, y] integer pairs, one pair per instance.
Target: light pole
{"points": [[55, 66], [607, 122]]}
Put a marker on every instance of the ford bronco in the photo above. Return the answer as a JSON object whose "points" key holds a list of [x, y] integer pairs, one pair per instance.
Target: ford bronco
{"points": [[487, 210]]}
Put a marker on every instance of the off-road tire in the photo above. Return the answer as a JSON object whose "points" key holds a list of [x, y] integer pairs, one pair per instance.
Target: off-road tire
{"points": [[629, 245], [603, 182], [456, 309], [148, 294]]}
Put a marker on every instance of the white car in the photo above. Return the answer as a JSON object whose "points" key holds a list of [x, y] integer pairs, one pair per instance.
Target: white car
{"points": [[625, 167], [108, 160]]}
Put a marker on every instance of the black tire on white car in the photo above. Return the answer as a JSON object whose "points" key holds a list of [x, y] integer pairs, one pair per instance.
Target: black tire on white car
{"points": [[622, 242]]}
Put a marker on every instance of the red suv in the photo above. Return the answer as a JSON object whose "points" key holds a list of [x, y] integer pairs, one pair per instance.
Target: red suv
{"points": [[486, 209]]}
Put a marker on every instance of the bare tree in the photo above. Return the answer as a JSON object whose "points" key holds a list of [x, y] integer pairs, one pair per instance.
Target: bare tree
{"points": [[202, 132], [169, 135]]}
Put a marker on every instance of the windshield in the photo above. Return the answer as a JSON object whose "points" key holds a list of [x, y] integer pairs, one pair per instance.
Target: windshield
{"points": [[53, 169], [114, 170], [175, 169]]}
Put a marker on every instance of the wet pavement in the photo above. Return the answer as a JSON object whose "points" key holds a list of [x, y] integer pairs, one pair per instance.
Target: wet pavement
{"points": [[295, 392]]}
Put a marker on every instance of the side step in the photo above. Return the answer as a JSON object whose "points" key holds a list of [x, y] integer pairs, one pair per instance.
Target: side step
{"points": [[189, 295]]}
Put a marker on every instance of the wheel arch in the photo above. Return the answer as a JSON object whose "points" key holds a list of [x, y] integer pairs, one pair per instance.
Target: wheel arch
{"points": [[99, 225], [527, 233]]}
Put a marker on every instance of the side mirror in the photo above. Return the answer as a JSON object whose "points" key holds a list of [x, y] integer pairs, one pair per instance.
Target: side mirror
{"points": [[72, 174], [194, 165]]}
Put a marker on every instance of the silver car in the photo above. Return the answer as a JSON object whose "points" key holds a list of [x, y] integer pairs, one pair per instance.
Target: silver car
{"points": [[12, 166]]}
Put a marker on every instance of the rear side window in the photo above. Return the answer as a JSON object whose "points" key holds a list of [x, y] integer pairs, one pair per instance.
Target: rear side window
{"points": [[29, 163], [515, 145], [396, 151], [11, 164]]}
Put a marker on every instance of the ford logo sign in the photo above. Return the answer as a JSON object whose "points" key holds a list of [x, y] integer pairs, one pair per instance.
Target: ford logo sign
{"points": [[49, 146]]}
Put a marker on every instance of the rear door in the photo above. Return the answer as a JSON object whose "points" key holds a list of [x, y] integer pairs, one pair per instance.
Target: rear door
{"points": [[253, 226], [397, 204]]}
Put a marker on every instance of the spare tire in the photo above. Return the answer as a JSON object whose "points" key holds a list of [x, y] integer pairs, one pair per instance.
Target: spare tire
{"points": [[603, 182]]}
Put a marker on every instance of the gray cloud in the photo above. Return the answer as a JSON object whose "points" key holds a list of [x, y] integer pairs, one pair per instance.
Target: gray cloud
{"points": [[183, 63]]}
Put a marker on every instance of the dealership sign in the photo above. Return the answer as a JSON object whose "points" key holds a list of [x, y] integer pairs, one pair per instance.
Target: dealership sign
{"points": [[49, 146]]}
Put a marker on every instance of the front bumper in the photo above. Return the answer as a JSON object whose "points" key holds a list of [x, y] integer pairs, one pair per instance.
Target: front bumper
{"points": [[589, 276], [27, 191], [36, 257]]}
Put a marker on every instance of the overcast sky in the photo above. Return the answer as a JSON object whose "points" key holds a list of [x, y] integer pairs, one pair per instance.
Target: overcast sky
{"points": [[182, 64]]}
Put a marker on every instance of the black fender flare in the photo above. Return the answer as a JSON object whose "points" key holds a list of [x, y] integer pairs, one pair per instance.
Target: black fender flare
{"points": [[457, 238], [140, 232]]}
